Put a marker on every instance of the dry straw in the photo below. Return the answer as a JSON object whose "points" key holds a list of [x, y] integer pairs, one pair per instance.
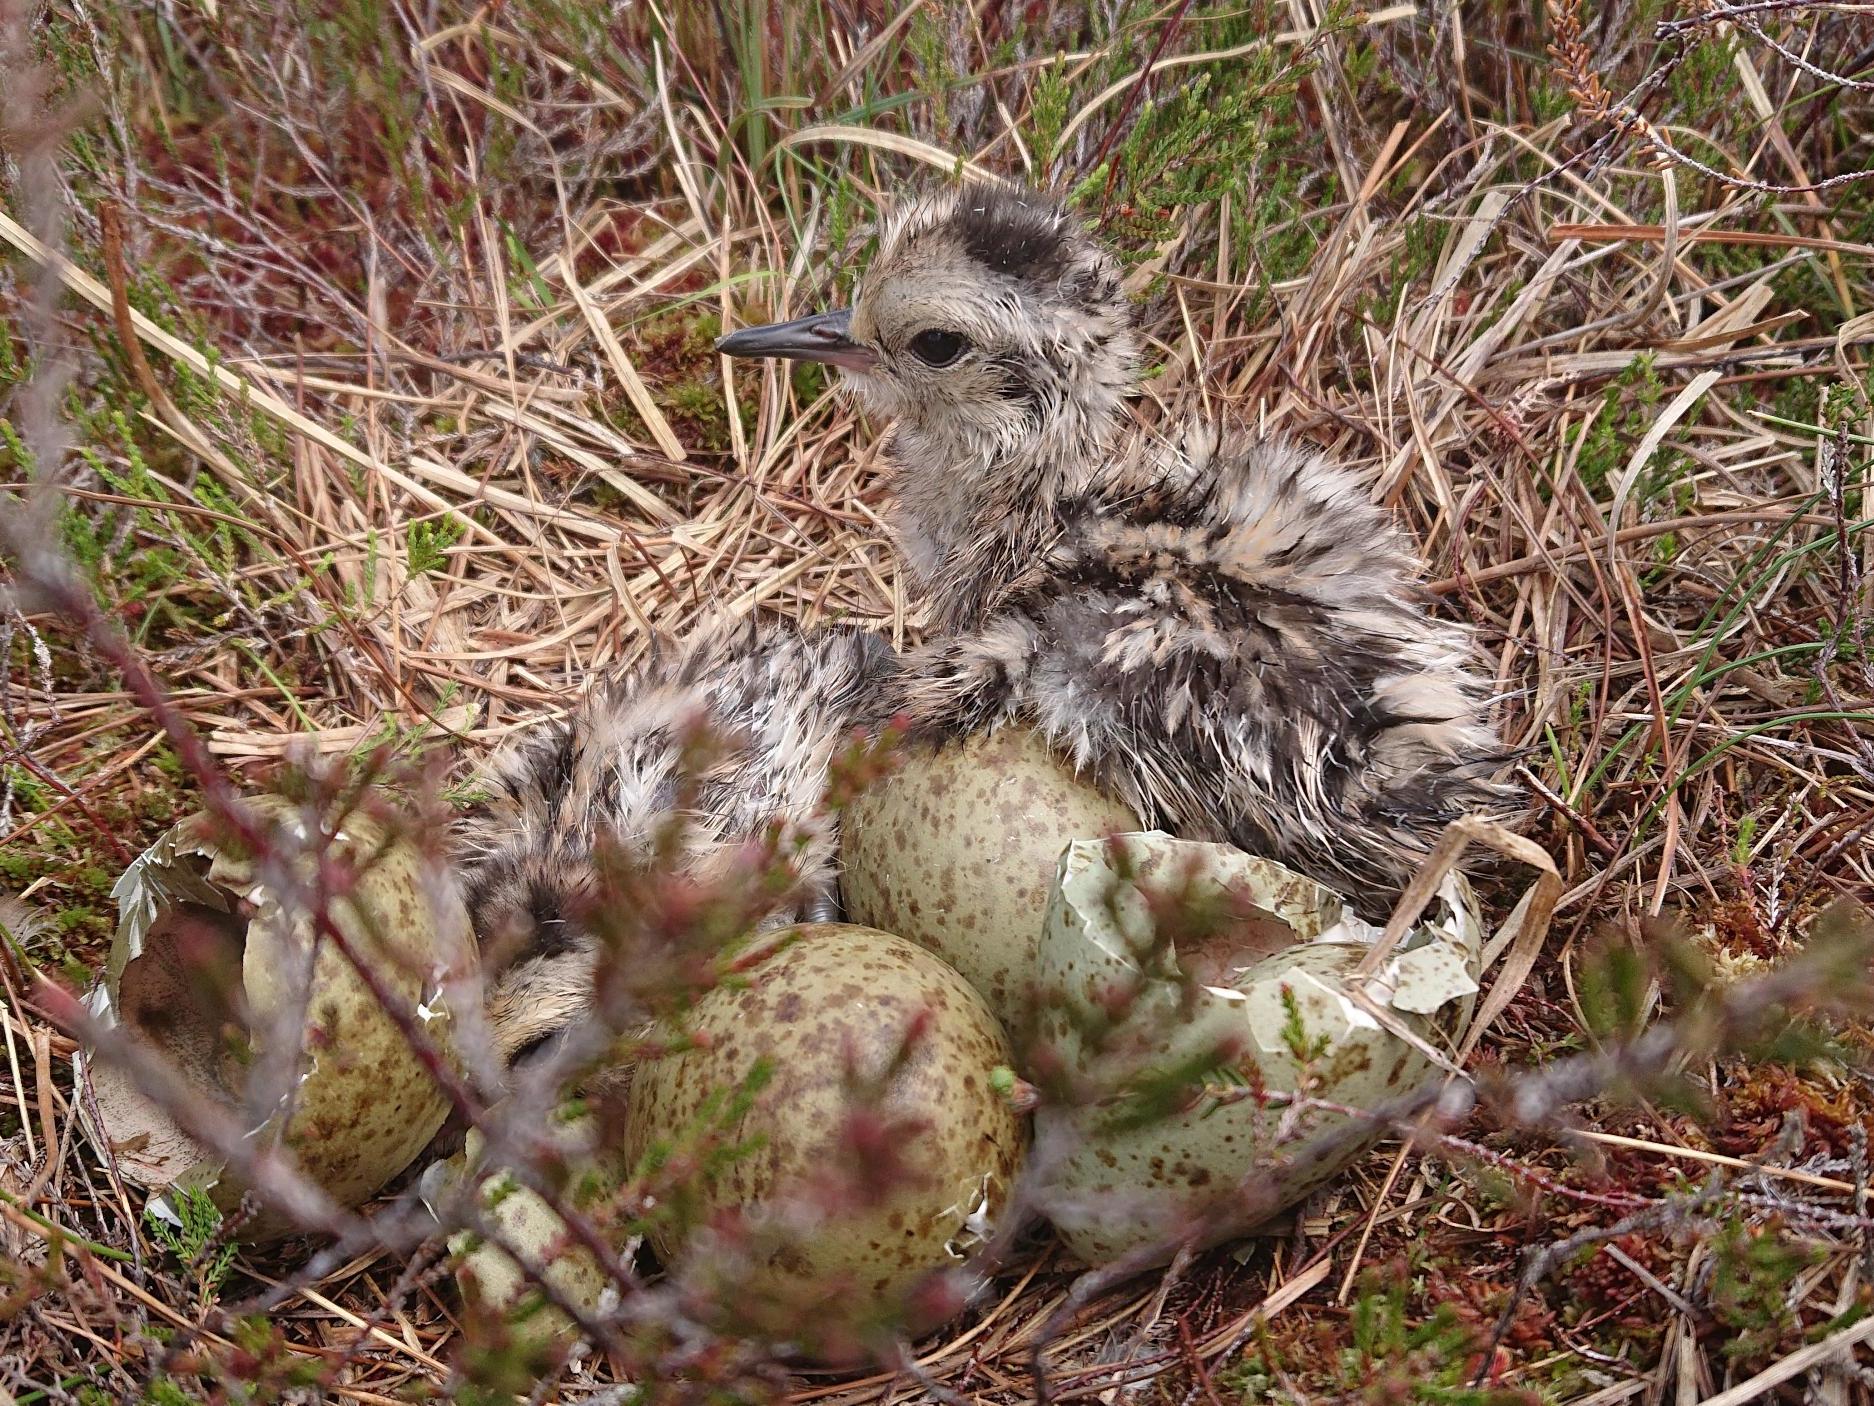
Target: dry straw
{"points": [[1681, 667]]}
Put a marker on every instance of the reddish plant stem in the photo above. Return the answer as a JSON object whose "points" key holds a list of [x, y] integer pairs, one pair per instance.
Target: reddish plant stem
{"points": [[53, 581]]}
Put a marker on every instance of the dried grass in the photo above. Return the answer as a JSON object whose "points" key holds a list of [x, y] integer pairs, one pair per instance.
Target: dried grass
{"points": [[1681, 650]]}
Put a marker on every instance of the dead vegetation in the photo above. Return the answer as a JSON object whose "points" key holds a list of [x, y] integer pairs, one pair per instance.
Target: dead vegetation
{"points": [[356, 357]]}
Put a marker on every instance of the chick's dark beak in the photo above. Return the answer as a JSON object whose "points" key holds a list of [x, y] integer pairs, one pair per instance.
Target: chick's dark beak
{"points": [[824, 337]]}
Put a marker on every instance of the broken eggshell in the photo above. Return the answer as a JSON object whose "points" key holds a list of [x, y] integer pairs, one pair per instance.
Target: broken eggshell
{"points": [[1128, 1161], [204, 971], [956, 850], [827, 1240]]}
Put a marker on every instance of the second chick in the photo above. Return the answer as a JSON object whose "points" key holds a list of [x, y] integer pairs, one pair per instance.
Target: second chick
{"points": [[779, 704]]}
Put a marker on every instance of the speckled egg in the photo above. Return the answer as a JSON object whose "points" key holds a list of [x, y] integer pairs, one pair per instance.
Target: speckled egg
{"points": [[524, 1223], [206, 969], [956, 850], [1138, 1156], [829, 1013]]}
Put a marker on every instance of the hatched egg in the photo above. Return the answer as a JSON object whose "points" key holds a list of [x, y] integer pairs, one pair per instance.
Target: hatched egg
{"points": [[878, 1150], [210, 970], [956, 850], [1162, 1051]]}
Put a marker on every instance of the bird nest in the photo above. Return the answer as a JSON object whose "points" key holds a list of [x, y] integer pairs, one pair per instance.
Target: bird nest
{"points": [[365, 388]]}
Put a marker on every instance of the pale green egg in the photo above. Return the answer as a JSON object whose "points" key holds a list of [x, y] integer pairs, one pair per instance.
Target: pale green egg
{"points": [[827, 1016], [956, 850]]}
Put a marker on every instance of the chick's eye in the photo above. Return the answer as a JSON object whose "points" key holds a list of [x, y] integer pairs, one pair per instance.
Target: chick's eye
{"points": [[936, 347]]}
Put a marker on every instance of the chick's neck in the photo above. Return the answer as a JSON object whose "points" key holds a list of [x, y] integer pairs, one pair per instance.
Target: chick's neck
{"points": [[974, 523]]}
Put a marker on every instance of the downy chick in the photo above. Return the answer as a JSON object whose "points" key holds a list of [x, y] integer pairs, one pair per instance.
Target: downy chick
{"points": [[779, 704], [1221, 630]]}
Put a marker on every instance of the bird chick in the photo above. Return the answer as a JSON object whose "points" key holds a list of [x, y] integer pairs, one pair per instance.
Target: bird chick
{"points": [[777, 703], [1221, 630]]}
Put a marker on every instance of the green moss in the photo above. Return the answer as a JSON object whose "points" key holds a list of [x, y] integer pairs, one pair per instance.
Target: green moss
{"points": [[1628, 407], [1548, 100], [694, 399], [427, 544], [1050, 105], [1753, 1269], [929, 45], [1706, 82], [1387, 1353]]}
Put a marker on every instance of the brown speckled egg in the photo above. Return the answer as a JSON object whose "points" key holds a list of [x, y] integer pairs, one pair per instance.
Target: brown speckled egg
{"points": [[831, 1007], [1137, 1158], [956, 850], [206, 969], [526, 1224]]}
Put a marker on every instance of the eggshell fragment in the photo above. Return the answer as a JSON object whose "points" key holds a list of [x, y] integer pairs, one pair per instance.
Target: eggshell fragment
{"points": [[956, 850], [207, 969], [837, 1240], [1132, 1163]]}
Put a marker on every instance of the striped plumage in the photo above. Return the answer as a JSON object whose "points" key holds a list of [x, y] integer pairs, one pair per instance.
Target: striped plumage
{"points": [[1220, 629], [1224, 633], [778, 703]]}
